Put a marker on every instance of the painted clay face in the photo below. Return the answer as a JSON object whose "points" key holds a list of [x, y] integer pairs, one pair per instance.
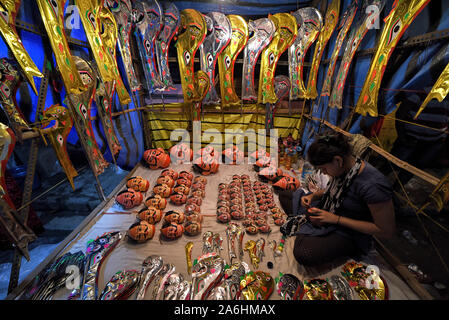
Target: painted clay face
{"points": [[192, 208], [195, 200], [129, 198], [156, 201], [287, 183], [150, 215], [200, 179], [138, 183], [195, 218], [170, 172], [141, 231], [178, 198], [181, 153], [163, 190], [182, 189], [156, 158], [172, 230], [166, 180], [192, 228], [199, 193], [186, 175], [270, 173], [174, 217], [184, 181]]}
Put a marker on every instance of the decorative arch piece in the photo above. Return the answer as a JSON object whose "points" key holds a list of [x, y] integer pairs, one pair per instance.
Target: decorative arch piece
{"points": [[220, 30], [355, 38], [310, 23], [8, 14], [285, 35], [398, 20], [194, 30], [263, 30], [330, 22]]}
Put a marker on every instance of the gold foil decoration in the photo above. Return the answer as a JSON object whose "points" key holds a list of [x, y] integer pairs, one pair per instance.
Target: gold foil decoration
{"points": [[318, 289], [80, 105], [401, 16], [257, 285], [101, 31], [365, 280], [8, 14], [251, 247], [52, 13], [10, 81], [188, 248], [194, 26], [440, 195], [226, 59], [439, 90], [7, 144], [202, 85], [330, 22], [57, 134], [285, 35]]}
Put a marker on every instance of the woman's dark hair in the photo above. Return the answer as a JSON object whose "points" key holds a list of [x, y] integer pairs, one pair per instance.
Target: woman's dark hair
{"points": [[327, 146]]}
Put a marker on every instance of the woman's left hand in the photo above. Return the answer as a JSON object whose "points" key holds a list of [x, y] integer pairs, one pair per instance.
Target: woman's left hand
{"points": [[319, 217]]}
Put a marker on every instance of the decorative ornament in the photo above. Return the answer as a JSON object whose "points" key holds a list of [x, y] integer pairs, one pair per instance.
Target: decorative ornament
{"points": [[150, 268]]}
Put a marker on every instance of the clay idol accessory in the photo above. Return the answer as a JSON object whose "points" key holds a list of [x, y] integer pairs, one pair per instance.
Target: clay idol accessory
{"points": [[171, 230], [250, 246], [156, 158], [164, 275], [184, 290], [286, 182], [80, 108], [317, 289], [121, 286], [346, 22], [286, 31], [232, 276], [330, 22], [281, 90], [365, 22], [167, 180], [217, 241], [156, 201], [57, 134], [340, 288], [260, 247], [150, 268], [398, 20], [138, 184], [192, 227], [129, 198], [208, 245], [365, 280], [170, 172], [262, 31], [8, 12], [289, 287], [227, 58], [96, 252], [171, 21], [182, 189], [181, 153], [192, 33], [150, 215], [217, 38], [141, 231], [122, 11], [148, 21], [310, 23], [10, 81], [173, 286], [174, 217], [257, 285], [231, 235], [205, 275], [188, 249], [52, 13]]}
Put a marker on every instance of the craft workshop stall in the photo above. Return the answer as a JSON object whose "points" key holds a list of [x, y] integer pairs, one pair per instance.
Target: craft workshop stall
{"points": [[212, 106]]}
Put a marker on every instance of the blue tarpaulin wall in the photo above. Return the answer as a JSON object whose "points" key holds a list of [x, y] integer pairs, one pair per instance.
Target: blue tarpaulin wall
{"points": [[418, 69]]}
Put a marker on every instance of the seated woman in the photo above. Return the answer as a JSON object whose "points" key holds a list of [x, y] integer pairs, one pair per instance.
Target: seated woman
{"points": [[356, 204]]}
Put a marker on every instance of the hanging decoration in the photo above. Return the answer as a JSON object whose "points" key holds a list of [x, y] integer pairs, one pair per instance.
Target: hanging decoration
{"points": [[7, 144], [148, 20], [330, 22], [171, 26], [102, 42], [80, 105], [52, 13], [57, 134], [346, 22], [122, 11], [281, 88], [226, 59], [399, 19], [285, 35], [439, 91], [220, 31], [8, 13], [10, 80], [310, 23], [263, 30], [355, 38], [193, 28], [202, 86]]}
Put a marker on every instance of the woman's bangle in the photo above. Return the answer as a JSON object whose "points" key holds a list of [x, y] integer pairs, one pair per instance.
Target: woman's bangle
{"points": [[338, 220]]}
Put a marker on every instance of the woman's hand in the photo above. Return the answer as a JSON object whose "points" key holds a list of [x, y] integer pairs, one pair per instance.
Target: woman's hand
{"points": [[320, 217], [306, 201]]}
